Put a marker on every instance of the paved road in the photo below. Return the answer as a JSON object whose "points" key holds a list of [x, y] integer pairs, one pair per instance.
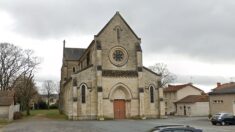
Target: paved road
{"points": [[38, 125]]}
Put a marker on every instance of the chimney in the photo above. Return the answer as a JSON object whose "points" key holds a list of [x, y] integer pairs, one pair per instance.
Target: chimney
{"points": [[218, 84]]}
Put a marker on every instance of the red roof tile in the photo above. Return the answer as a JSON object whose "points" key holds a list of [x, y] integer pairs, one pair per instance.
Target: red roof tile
{"points": [[225, 86], [194, 99], [175, 88]]}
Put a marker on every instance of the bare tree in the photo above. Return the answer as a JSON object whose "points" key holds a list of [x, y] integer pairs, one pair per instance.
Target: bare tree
{"points": [[49, 87], [24, 84], [14, 62], [25, 89], [166, 76]]}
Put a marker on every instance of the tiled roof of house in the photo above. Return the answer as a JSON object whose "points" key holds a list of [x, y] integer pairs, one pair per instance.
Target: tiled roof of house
{"points": [[175, 88], [6, 98], [73, 53], [227, 88], [194, 99]]}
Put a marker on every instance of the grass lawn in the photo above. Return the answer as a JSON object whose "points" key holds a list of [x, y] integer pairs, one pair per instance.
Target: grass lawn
{"points": [[3, 123], [51, 114]]}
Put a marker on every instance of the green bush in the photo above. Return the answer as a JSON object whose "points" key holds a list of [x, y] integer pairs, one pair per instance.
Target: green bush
{"points": [[42, 105], [54, 106], [209, 116]]}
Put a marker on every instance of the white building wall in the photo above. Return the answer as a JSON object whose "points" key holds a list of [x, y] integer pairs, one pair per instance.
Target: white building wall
{"points": [[4, 110], [193, 109], [188, 90], [201, 109]]}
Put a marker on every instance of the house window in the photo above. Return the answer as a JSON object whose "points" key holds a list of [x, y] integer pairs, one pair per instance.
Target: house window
{"points": [[218, 101], [51, 100], [83, 92], [151, 94]]}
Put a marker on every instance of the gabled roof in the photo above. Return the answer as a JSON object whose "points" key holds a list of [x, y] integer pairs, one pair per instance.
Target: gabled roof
{"points": [[6, 98], [73, 53], [175, 88], [227, 88], [194, 99], [151, 71], [117, 15]]}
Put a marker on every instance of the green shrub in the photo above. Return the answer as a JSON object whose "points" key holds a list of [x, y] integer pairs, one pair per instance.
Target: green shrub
{"points": [[42, 105], [54, 106], [209, 116]]}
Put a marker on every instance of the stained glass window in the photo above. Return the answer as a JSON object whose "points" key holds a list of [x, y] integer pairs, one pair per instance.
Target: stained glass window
{"points": [[118, 55], [151, 94], [83, 94]]}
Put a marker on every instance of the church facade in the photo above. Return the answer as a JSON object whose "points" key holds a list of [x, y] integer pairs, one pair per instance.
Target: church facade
{"points": [[108, 79]]}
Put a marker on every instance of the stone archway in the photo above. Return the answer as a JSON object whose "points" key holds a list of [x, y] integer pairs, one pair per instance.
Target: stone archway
{"points": [[121, 96]]}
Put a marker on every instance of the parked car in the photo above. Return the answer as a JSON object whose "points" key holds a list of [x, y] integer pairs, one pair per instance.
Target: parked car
{"points": [[174, 128], [223, 119]]}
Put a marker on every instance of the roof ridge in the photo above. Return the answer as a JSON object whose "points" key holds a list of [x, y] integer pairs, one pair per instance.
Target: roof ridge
{"points": [[117, 14], [74, 48]]}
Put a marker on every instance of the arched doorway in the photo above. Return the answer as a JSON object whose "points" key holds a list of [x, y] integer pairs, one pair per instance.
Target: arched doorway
{"points": [[120, 95]]}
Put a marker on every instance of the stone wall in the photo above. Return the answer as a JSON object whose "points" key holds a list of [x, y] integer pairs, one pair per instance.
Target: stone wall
{"points": [[152, 109], [89, 109], [108, 39]]}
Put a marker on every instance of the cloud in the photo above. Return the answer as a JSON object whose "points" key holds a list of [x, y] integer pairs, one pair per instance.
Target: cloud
{"points": [[205, 83], [201, 29], [198, 30], [201, 80]]}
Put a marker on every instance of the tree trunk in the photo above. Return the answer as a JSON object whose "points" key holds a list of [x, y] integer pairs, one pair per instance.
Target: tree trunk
{"points": [[48, 104], [28, 109]]}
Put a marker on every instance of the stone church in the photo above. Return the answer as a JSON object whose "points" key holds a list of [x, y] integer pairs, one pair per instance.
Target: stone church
{"points": [[108, 79]]}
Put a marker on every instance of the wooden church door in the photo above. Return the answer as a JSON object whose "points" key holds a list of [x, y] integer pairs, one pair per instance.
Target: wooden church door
{"points": [[119, 109]]}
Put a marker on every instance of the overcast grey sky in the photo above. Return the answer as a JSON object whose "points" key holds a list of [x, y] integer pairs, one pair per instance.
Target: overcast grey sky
{"points": [[195, 38]]}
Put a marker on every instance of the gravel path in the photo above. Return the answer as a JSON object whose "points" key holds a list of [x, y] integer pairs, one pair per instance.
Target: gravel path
{"points": [[46, 125]]}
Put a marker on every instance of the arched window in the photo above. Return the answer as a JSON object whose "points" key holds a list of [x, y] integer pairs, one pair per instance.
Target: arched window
{"points": [[151, 94], [83, 93], [74, 69]]}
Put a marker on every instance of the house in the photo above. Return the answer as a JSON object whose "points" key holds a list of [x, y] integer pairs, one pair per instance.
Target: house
{"points": [[52, 100], [193, 105], [222, 98], [174, 93], [108, 79], [7, 107]]}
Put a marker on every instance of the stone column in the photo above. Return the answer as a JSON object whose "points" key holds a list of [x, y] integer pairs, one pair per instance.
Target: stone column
{"points": [[70, 102], [141, 103], [140, 80], [99, 79], [75, 109], [161, 103]]}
